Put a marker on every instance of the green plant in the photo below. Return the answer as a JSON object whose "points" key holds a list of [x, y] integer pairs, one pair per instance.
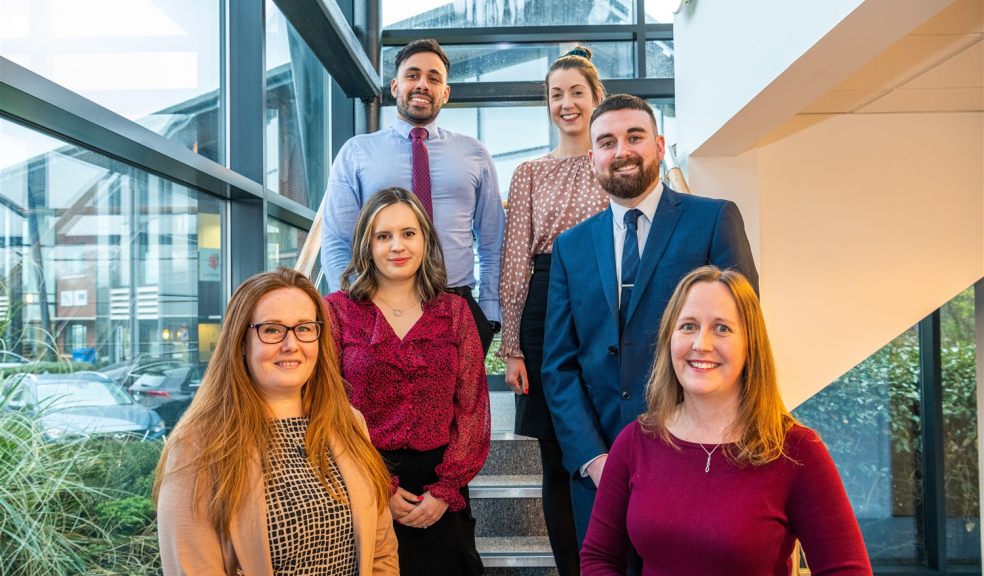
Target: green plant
{"points": [[42, 499], [494, 364]]}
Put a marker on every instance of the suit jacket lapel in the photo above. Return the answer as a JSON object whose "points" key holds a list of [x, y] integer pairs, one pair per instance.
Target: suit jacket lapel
{"points": [[665, 219], [604, 249]]}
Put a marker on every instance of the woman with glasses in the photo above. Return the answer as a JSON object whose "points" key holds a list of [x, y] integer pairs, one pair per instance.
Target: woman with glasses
{"points": [[413, 358], [270, 471]]}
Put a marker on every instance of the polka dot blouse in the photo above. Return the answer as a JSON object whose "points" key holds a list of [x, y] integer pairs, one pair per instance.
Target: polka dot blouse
{"points": [[546, 197]]}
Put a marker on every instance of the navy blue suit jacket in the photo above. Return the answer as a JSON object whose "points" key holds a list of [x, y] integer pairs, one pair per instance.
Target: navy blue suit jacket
{"points": [[594, 382]]}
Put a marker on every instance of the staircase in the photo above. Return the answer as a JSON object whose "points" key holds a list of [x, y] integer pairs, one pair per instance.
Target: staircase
{"points": [[505, 499]]}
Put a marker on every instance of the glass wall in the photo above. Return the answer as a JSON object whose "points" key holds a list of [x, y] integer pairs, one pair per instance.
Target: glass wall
{"points": [[297, 138], [869, 419], [155, 62], [958, 355], [465, 13], [105, 264]]}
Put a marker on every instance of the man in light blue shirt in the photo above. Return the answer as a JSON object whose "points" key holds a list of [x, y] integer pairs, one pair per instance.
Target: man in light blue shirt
{"points": [[465, 196]]}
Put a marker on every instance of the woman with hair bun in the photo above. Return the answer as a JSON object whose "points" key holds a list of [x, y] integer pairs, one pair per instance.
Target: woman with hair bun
{"points": [[547, 196]]}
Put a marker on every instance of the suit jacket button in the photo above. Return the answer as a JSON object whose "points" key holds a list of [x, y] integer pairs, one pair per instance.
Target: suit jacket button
{"points": [[626, 394], [613, 350]]}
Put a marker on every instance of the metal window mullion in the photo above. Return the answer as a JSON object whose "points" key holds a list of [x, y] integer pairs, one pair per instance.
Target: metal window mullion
{"points": [[515, 34], [640, 38], [931, 391], [246, 98]]}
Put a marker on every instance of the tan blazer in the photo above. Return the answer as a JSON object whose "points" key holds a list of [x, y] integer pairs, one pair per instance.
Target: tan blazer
{"points": [[190, 546]]}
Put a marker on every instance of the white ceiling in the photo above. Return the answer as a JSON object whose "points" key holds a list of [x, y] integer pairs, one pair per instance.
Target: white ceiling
{"points": [[938, 67]]}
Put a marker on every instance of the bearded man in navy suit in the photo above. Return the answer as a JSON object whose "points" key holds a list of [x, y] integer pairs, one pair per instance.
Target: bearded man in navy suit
{"points": [[610, 279]]}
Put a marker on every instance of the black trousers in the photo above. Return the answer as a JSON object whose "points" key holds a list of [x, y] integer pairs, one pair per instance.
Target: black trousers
{"points": [[533, 419], [485, 332], [448, 545]]}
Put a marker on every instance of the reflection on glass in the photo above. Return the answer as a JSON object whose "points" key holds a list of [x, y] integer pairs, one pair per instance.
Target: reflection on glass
{"points": [[156, 62], [105, 264], [959, 357], [523, 62], [399, 14], [659, 59], [297, 104], [497, 128], [870, 420]]}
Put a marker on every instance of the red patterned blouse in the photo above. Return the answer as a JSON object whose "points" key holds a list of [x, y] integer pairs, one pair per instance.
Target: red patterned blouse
{"points": [[423, 392]]}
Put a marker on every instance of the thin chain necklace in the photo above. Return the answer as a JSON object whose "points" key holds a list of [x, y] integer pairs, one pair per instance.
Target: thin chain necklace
{"points": [[398, 312], [707, 467]]}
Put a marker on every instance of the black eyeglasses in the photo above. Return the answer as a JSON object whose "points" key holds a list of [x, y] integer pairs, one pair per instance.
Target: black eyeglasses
{"points": [[273, 333]]}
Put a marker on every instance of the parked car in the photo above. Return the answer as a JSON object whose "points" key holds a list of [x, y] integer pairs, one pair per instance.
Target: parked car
{"points": [[128, 371], [82, 404], [166, 388]]}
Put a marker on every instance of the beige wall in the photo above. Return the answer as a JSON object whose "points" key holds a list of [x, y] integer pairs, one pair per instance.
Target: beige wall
{"points": [[862, 225]]}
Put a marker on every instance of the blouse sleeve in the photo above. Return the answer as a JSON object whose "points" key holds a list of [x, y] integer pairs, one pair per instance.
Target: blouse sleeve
{"points": [[471, 425], [821, 515], [517, 258], [606, 546]]}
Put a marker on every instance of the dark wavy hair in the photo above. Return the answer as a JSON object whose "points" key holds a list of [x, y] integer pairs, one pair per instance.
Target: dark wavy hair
{"points": [[359, 277]]}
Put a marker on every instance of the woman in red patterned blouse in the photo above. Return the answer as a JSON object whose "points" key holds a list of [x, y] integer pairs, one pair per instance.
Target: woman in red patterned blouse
{"points": [[413, 358]]}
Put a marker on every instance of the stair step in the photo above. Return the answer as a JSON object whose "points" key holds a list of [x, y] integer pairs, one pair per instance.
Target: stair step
{"points": [[512, 454], [506, 486], [515, 552]]}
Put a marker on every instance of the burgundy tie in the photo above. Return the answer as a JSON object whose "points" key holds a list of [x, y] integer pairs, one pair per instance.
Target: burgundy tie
{"points": [[421, 181]]}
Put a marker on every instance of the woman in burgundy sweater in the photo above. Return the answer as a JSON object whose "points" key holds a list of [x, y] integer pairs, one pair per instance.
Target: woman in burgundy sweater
{"points": [[413, 358], [717, 477]]}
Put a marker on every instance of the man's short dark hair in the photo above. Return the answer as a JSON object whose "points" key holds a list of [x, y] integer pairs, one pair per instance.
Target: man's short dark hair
{"points": [[623, 102], [425, 45]]}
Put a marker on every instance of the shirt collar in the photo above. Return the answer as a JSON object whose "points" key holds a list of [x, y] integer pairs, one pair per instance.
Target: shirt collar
{"points": [[402, 127], [648, 207]]}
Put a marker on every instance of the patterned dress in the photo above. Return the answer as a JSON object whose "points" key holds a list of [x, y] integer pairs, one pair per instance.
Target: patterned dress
{"points": [[310, 533]]}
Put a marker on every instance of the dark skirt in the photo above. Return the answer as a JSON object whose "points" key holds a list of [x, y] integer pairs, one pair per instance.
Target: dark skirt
{"points": [[448, 545], [532, 414]]}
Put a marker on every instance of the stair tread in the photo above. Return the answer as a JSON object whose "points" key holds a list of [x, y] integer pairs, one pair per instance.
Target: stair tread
{"points": [[506, 480], [514, 545]]}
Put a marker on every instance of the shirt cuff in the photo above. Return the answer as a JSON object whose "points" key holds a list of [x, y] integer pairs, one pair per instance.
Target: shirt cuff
{"points": [[491, 310], [584, 468], [451, 496]]}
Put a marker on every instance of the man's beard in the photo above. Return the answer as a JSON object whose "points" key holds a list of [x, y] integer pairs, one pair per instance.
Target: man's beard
{"points": [[418, 117], [627, 187]]}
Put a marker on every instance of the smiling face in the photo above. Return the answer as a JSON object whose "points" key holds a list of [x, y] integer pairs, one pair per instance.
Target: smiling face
{"points": [[397, 243], [570, 100], [420, 88], [708, 345], [281, 370], [626, 152]]}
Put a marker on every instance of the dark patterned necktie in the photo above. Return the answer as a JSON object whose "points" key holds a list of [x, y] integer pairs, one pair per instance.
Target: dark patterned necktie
{"points": [[630, 263], [421, 181]]}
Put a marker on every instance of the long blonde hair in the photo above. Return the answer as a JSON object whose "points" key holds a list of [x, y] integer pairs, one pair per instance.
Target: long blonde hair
{"points": [[230, 426], [763, 420]]}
